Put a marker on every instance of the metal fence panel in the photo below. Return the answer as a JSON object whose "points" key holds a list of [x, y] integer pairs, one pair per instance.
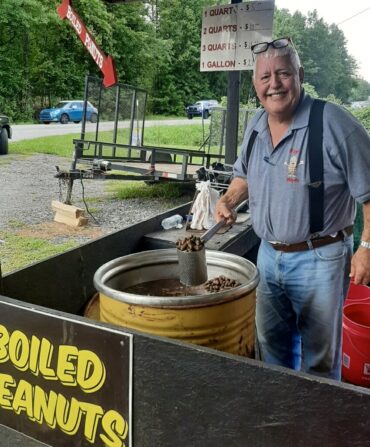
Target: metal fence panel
{"points": [[124, 107], [217, 136]]}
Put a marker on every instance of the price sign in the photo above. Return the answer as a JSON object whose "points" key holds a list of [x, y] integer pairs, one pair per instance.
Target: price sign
{"points": [[229, 31]]}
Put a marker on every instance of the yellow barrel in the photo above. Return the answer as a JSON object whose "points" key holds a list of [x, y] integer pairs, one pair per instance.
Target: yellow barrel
{"points": [[222, 320]]}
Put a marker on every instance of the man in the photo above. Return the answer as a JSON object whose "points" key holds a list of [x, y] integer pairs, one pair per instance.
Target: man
{"points": [[304, 275]]}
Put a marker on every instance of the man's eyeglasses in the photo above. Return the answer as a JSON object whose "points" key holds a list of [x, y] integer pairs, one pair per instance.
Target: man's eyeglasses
{"points": [[277, 43]]}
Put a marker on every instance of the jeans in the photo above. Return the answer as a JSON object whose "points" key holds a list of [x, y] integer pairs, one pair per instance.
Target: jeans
{"points": [[299, 306]]}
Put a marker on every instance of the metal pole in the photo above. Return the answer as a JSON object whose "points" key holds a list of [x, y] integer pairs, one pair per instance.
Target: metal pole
{"points": [[143, 153], [133, 114], [99, 109], [86, 94], [224, 113], [78, 149], [116, 117], [232, 117]]}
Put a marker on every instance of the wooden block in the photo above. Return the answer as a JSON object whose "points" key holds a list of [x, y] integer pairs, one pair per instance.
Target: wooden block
{"points": [[82, 221], [67, 210], [71, 221]]}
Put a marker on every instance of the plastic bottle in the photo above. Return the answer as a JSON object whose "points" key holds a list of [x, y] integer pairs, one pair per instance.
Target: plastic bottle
{"points": [[172, 222]]}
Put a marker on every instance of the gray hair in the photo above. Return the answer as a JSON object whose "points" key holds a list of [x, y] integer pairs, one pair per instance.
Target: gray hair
{"points": [[276, 52]]}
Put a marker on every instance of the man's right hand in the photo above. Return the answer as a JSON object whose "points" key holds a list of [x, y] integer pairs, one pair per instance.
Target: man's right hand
{"points": [[224, 212], [236, 192]]}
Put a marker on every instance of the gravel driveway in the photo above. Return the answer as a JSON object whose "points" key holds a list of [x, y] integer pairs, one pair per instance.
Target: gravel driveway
{"points": [[28, 186]]}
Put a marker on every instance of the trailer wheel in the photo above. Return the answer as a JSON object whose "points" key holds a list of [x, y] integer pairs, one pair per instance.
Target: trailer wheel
{"points": [[3, 142]]}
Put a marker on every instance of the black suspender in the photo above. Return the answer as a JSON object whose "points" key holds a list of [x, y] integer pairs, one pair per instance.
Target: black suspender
{"points": [[316, 166], [250, 145], [315, 161]]}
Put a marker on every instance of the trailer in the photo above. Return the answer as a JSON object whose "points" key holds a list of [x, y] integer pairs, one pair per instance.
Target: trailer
{"points": [[121, 154], [70, 380]]}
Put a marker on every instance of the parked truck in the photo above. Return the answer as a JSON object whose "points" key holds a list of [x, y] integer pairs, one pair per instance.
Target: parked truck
{"points": [[201, 108]]}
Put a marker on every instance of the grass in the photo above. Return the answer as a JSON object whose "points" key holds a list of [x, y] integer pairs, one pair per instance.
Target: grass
{"points": [[185, 137], [16, 251], [139, 189], [57, 145], [163, 117], [16, 224]]}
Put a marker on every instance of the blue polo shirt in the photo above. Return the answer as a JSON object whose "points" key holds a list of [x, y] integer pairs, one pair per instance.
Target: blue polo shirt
{"points": [[278, 177]]}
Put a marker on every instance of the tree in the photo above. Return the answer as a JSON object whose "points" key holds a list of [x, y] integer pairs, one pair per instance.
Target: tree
{"points": [[180, 82], [156, 46], [322, 48], [17, 21], [360, 91], [39, 59]]}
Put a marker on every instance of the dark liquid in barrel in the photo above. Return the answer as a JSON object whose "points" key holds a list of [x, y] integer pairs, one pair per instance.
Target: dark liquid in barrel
{"points": [[165, 287]]}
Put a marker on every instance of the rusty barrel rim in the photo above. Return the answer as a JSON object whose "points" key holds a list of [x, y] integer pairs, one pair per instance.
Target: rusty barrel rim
{"points": [[167, 257]]}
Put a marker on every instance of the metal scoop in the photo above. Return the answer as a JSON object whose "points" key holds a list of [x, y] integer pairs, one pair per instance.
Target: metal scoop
{"points": [[193, 264]]}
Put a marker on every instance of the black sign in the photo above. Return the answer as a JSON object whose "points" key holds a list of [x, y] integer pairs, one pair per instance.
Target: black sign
{"points": [[62, 381]]}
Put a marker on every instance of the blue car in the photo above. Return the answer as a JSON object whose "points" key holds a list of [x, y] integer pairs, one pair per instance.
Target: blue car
{"points": [[66, 111]]}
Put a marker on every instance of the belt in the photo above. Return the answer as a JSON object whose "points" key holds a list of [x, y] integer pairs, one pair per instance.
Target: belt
{"points": [[315, 242]]}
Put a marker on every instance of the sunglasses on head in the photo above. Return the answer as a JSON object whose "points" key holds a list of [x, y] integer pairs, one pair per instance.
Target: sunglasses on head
{"points": [[277, 43]]}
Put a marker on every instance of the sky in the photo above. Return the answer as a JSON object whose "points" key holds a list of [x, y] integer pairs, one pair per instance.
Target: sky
{"points": [[356, 29]]}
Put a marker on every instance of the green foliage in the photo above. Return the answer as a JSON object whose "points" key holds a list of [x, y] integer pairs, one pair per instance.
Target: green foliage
{"points": [[156, 46], [363, 115], [178, 25], [323, 52], [360, 91], [333, 98], [310, 89], [358, 226]]}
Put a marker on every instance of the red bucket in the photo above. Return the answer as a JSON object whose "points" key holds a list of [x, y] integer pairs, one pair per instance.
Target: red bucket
{"points": [[357, 293], [356, 344]]}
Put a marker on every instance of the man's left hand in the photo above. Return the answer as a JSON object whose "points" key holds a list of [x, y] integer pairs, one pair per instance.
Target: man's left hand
{"points": [[360, 266]]}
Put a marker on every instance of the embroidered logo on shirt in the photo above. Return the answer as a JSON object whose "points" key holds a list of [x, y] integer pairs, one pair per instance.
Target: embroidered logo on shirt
{"points": [[292, 166]]}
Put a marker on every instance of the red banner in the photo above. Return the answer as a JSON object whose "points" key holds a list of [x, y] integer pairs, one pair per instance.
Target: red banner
{"points": [[105, 63]]}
